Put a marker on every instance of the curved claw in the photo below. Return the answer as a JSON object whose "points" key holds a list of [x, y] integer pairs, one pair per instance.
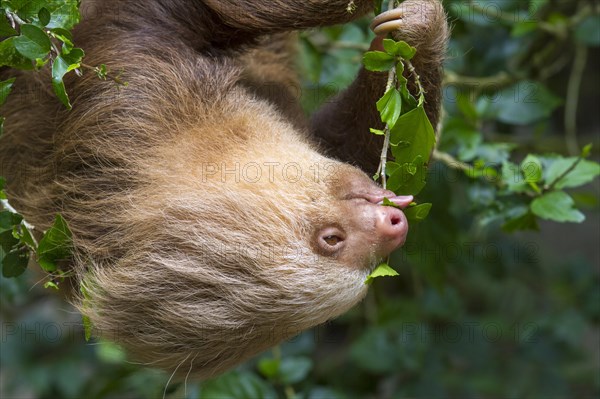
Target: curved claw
{"points": [[387, 22]]}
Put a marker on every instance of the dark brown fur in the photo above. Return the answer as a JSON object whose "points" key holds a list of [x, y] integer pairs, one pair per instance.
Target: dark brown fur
{"points": [[189, 266]]}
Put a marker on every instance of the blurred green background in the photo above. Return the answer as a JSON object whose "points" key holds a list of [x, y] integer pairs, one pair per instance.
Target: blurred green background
{"points": [[477, 312]]}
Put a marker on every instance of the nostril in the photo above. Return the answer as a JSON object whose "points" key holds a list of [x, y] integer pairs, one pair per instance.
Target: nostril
{"points": [[393, 222]]}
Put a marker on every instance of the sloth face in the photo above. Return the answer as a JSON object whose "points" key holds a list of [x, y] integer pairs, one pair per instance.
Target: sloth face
{"points": [[226, 266]]}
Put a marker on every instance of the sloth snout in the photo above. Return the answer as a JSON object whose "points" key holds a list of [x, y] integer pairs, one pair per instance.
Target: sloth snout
{"points": [[392, 227]]}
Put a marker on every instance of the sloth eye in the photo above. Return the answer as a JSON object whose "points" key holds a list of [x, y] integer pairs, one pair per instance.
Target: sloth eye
{"points": [[332, 240]]}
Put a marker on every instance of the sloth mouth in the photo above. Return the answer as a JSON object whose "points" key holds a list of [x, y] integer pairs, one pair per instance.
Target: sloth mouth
{"points": [[402, 201]]}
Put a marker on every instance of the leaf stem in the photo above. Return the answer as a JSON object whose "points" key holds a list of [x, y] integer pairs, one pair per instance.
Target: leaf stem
{"points": [[109, 76], [417, 79], [551, 186]]}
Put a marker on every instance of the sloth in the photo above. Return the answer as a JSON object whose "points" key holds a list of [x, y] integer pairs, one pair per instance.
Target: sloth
{"points": [[211, 219]]}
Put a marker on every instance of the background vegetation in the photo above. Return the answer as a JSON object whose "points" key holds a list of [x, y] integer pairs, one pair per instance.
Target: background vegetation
{"points": [[493, 300]]}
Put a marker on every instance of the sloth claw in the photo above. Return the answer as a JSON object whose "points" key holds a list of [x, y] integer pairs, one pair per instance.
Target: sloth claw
{"points": [[412, 19], [387, 22]]}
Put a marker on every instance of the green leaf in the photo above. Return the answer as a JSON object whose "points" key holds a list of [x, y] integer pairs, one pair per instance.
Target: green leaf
{"points": [[51, 284], [556, 206], [387, 202], [9, 56], [294, 369], [269, 367], [583, 173], [409, 178], [65, 13], [33, 42], [390, 106], [9, 220], [102, 72], [6, 29], [377, 132], [478, 171], [109, 352], [383, 270], [87, 327], [44, 16], [587, 150], [531, 168], [62, 65], [378, 61], [526, 221], [401, 49], [87, 323], [389, 45], [512, 177], [5, 88], [55, 245], [64, 36], [26, 238], [8, 241], [408, 101], [406, 51], [391, 168], [413, 127], [61, 92], [15, 263], [417, 213]]}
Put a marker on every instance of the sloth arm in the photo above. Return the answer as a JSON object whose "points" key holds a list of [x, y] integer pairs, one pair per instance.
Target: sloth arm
{"points": [[342, 125], [269, 16]]}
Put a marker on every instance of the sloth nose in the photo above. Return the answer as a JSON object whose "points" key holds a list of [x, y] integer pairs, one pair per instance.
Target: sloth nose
{"points": [[392, 228]]}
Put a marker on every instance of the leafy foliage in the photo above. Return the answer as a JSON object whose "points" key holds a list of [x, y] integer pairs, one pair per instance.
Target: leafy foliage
{"points": [[17, 241], [35, 30]]}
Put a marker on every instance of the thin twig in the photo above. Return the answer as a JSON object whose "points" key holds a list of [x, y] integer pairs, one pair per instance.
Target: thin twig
{"points": [[386, 142], [348, 46], [450, 161], [13, 17], [417, 79], [109, 76], [572, 101], [494, 82]]}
